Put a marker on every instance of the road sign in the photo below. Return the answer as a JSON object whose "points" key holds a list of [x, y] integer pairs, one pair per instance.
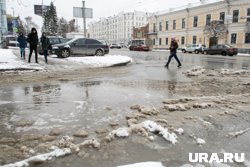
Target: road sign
{"points": [[38, 9], [77, 12]]}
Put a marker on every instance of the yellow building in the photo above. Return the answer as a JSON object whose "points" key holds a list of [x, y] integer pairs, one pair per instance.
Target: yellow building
{"points": [[187, 24]]}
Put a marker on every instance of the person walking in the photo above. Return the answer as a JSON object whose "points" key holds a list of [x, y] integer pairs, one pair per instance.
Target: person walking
{"points": [[22, 44], [173, 50], [45, 45], [33, 40]]}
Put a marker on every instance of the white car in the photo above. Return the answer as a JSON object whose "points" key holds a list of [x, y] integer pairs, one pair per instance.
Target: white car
{"points": [[193, 48]]}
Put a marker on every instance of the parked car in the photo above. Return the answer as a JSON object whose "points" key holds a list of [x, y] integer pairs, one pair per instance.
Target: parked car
{"points": [[10, 40], [80, 46], [194, 48], [112, 46], [139, 47], [221, 49], [53, 40]]}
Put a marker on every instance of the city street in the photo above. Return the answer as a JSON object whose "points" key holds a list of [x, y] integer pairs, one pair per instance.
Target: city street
{"points": [[204, 105]]}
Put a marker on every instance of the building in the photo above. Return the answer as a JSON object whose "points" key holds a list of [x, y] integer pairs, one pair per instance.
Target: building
{"points": [[118, 28], [3, 19], [140, 32], [187, 24]]}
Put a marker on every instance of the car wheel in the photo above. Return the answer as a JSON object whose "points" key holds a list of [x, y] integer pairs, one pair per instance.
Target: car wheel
{"points": [[196, 51], [205, 52], [65, 53], [99, 52], [183, 51], [224, 53]]}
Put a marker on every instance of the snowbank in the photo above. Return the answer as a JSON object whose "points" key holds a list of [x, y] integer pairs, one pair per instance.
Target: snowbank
{"points": [[196, 71], [10, 62], [103, 61], [145, 164], [40, 158]]}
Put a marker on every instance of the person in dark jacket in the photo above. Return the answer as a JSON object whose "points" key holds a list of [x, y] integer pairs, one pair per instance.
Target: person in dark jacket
{"points": [[22, 44], [173, 50], [33, 40], [45, 45]]}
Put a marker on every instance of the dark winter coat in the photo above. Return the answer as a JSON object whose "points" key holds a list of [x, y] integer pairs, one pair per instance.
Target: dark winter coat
{"points": [[33, 38], [45, 43], [22, 41], [173, 46]]}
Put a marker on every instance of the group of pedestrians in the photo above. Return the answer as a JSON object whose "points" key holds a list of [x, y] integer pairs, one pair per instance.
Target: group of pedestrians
{"points": [[33, 41]]}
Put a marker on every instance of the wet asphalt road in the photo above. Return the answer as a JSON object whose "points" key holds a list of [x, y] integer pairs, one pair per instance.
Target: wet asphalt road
{"points": [[93, 103]]}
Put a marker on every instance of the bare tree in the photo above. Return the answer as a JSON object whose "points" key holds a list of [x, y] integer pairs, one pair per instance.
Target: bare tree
{"points": [[216, 29]]}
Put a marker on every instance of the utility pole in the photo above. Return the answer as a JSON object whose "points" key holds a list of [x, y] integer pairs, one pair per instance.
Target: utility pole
{"points": [[84, 19]]}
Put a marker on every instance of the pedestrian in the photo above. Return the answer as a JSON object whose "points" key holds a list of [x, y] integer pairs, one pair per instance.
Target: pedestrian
{"points": [[45, 45], [173, 50], [22, 44], [33, 40]]}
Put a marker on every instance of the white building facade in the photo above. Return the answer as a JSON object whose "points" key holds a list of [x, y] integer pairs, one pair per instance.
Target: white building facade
{"points": [[118, 28], [3, 19]]}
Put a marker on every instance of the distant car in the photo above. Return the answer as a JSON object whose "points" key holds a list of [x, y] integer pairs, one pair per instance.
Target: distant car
{"points": [[139, 48], [53, 40], [80, 46], [221, 49], [10, 40], [194, 48], [112, 46]]}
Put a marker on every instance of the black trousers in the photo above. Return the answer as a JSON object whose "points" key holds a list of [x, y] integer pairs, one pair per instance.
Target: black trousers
{"points": [[33, 48], [173, 54]]}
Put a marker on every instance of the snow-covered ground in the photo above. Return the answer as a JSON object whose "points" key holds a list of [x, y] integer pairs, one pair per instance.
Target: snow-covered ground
{"points": [[145, 164], [97, 61], [10, 62]]}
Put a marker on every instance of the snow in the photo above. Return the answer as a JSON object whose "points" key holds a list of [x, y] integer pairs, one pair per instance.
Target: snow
{"points": [[200, 141], [154, 127], [122, 132], [40, 158], [145, 164], [9, 61], [103, 61]]}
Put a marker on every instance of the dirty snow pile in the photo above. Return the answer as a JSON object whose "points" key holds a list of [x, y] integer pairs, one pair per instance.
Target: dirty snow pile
{"points": [[145, 164], [196, 71], [40, 158], [143, 129], [101, 61], [8, 61], [230, 72]]}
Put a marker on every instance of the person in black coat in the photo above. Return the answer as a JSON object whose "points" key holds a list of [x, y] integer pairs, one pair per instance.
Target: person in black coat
{"points": [[33, 40], [22, 44], [45, 45], [173, 50]]}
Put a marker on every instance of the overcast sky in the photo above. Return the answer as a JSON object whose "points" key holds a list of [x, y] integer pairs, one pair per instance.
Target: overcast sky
{"points": [[101, 8]]}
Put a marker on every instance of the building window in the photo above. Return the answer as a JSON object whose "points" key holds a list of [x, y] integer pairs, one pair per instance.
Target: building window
{"points": [[183, 23], [160, 27], [154, 27], [166, 41], [174, 24], [208, 19], [166, 25], [182, 40], [233, 38], [195, 23], [235, 16], [194, 39], [247, 38], [159, 41], [248, 14], [153, 41], [222, 17]]}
